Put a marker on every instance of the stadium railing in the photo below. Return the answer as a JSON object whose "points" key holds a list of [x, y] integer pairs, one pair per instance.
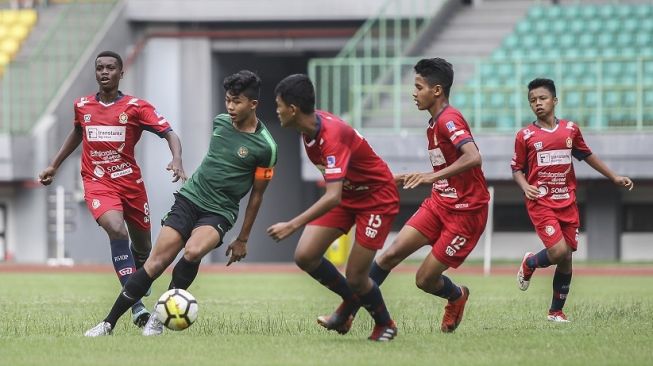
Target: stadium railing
{"points": [[27, 86], [602, 93]]}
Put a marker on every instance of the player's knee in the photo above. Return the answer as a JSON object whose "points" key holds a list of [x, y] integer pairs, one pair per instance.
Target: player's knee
{"points": [[559, 253], [116, 230], [154, 266], [389, 259], [193, 254]]}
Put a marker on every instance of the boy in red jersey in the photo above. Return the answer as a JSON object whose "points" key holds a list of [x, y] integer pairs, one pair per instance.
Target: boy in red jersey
{"points": [[453, 218], [543, 169], [360, 190], [108, 125]]}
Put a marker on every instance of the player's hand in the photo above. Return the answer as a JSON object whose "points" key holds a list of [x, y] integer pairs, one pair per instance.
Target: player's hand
{"points": [[412, 180], [238, 250], [177, 170], [399, 178], [532, 193], [47, 176], [281, 230], [624, 181]]}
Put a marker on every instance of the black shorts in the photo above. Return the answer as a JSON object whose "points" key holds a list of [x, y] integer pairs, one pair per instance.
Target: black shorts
{"points": [[185, 216]]}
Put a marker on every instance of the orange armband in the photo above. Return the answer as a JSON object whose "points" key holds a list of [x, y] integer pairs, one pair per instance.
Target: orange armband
{"points": [[264, 173]]}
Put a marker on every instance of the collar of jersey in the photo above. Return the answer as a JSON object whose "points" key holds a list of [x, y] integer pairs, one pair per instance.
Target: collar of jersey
{"points": [[546, 129], [434, 120], [318, 122], [119, 96]]}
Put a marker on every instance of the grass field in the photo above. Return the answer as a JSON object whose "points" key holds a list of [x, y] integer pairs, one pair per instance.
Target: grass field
{"points": [[269, 319]]}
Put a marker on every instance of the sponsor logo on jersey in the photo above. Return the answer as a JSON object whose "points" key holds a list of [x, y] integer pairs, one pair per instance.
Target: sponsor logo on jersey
{"points": [[87, 118], [550, 230], [242, 152], [569, 142], [98, 171], [436, 157], [331, 161], [543, 191], [554, 157], [95, 203], [461, 205], [106, 133], [122, 118], [451, 126], [121, 173], [538, 146], [82, 102], [332, 171], [456, 135], [133, 101], [570, 125], [120, 170]]}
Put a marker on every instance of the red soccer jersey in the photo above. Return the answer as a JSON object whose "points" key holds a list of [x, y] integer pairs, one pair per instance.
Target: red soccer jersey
{"points": [[466, 191], [110, 133], [545, 158], [341, 153]]}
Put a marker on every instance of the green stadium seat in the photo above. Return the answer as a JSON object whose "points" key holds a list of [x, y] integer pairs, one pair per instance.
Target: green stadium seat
{"points": [[612, 98], [536, 12], [630, 25], [523, 27], [605, 39], [606, 11], [624, 39], [630, 98], [643, 11], [572, 99], [594, 25], [554, 12], [643, 39], [588, 12], [586, 40]]}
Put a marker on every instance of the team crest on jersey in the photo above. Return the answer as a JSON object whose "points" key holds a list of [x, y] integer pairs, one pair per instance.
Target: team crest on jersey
{"points": [[87, 118], [538, 145], [451, 126], [95, 203], [243, 152], [122, 118], [549, 230], [569, 142], [331, 161]]}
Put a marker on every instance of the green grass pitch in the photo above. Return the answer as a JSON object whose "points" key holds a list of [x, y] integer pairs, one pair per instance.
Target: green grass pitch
{"points": [[269, 319]]}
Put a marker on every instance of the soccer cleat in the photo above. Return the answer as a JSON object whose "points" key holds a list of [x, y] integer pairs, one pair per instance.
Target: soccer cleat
{"points": [[333, 322], [453, 312], [524, 274], [140, 315], [384, 333], [102, 329], [557, 316], [153, 327]]}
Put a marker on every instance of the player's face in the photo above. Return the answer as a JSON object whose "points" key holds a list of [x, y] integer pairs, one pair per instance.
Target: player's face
{"points": [[424, 95], [542, 102], [239, 107], [107, 73], [285, 112]]}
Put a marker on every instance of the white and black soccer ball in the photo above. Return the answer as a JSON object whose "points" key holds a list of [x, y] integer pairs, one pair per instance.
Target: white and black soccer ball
{"points": [[176, 309]]}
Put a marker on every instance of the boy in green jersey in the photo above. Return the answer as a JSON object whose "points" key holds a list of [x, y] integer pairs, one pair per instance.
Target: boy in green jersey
{"points": [[241, 156]]}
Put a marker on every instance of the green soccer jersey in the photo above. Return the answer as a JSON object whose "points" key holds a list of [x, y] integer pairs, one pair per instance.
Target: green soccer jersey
{"points": [[227, 171]]}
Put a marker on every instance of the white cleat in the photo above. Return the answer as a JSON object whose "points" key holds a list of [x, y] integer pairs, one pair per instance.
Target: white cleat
{"points": [[102, 329], [557, 317], [153, 327], [524, 274]]}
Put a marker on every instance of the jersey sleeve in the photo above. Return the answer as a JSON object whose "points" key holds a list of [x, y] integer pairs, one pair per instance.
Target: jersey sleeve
{"points": [[579, 149], [336, 157], [152, 121], [76, 122], [518, 162], [456, 130], [269, 160]]}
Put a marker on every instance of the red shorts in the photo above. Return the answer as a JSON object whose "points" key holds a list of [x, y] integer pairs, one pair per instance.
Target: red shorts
{"points": [[373, 220], [553, 224], [101, 198], [452, 235]]}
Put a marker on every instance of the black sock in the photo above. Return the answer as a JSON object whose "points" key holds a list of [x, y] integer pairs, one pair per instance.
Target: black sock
{"points": [[561, 283], [139, 258], [378, 274], [373, 302], [134, 290], [184, 274], [449, 290], [539, 260], [327, 274]]}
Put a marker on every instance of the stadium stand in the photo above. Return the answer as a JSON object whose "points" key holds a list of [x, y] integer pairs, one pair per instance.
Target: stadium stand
{"points": [[15, 26]]}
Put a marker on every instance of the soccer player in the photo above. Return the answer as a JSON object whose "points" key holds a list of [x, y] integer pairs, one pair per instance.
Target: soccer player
{"points": [[360, 190], [241, 156], [453, 218], [108, 125], [543, 169]]}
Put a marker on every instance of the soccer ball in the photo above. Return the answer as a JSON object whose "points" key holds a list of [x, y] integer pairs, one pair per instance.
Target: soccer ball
{"points": [[176, 309]]}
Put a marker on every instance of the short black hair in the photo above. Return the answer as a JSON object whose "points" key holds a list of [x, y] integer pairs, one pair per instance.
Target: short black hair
{"points": [[542, 83], [110, 54], [297, 89], [243, 82], [436, 71]]}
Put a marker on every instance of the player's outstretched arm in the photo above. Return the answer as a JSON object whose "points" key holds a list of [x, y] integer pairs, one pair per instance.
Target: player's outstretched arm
{"points": [[237, 250], [329, 200], [73, 140], [598, 165], [175, 166]]}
